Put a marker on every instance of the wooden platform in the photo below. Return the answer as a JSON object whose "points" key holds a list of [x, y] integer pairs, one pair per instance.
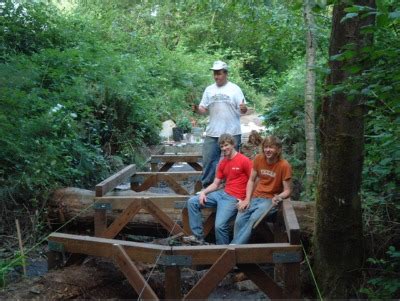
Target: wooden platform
{"points": [[284, 252]]}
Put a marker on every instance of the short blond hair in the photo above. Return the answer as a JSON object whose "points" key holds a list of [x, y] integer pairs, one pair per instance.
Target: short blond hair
{"points": [[226, 138]]}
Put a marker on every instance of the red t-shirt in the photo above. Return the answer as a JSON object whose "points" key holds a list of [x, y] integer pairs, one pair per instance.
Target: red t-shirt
{"points": [[236, 173], [271, 176]]}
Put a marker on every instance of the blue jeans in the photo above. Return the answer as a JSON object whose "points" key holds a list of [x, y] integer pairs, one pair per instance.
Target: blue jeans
{"points": [[211, 156], [226, 210], [246, 219]]}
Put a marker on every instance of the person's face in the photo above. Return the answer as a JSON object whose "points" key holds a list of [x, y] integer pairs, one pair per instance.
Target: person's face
{"points": [[271, 152], [220, 77], [227, 149]]}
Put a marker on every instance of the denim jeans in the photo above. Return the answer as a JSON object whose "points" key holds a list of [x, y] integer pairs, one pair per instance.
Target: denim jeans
{"points": [[226, 210], [247, 218], [211, 156]]}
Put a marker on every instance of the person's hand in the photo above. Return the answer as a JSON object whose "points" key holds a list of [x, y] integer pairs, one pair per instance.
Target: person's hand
{"points": [[276, 200], [195, 108], [243, 108], [242, 205], [202, 198]]}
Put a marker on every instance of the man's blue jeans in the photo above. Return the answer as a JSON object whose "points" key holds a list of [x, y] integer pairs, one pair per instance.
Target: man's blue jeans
{"points": [[246, 219], [226, 210], [211, 156]]}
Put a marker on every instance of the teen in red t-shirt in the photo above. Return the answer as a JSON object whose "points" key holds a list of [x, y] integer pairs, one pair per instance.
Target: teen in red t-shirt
{"points": [[274, 176], [235, 169]]}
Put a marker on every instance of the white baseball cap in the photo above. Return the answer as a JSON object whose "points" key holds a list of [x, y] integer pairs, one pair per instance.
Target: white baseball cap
{"points": [[219, 65]]}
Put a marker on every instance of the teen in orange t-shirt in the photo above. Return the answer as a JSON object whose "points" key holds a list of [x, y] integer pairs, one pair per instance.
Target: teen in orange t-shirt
{"points": [[274, 185]]}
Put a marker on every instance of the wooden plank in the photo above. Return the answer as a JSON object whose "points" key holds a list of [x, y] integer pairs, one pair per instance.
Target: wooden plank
{"points": [[195, 166], [291, 279], [173, 283], [162, 201], [113, 181], [151, 181], [120, 222], [171, 226], [148, 253], [166, 166], [172, 184], [100, 221], [291, 223], [214, 275], [209, 224], [279, 236], [263, 281], [103, 247], [177, 175], [177, 158], [133, 275], [250, 253]]}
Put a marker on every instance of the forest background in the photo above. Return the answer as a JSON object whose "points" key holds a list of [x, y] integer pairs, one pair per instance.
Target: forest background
{"points": [[85, 84]]}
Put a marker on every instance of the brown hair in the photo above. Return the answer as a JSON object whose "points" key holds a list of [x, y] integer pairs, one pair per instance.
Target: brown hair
{"points": [[257, 137], [226, 138], [273, 141]]}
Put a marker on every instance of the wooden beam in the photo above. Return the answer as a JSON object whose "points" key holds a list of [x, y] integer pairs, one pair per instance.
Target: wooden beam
{"points": [[162, 201], [176, 158], [173, 283], [262, 280], [120, 222], [103, 247], [133, 275], [291, 223], [148, 253], [177, 175], [116, 179], [214, 275], [100, 221], [249, 253], [171, 226], [291, 279]]}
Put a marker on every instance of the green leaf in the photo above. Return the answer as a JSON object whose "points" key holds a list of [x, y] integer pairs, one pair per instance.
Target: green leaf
{"points": [[349, 16]]}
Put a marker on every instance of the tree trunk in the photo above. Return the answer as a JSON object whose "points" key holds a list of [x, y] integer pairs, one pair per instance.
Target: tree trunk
{"points": [[338, 230], [309, 94]]}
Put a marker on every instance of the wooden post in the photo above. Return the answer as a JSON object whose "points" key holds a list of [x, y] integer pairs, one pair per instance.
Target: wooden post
{"points": [[100, 221], [173, 283], [291, 276], [21, 247], [279, 236]]}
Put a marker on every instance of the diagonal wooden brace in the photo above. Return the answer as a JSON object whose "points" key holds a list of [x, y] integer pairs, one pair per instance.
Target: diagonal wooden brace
{"points": [[171, 226], [262, 280], [133, 275], [120, 222], [214, 275], [174, 185]]}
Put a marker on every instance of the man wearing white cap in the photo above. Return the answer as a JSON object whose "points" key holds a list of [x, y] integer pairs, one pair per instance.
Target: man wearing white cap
{"points": [[224, 101]]}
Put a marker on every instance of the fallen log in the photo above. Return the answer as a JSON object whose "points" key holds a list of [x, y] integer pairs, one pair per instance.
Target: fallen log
{"points": [[71, 203]]}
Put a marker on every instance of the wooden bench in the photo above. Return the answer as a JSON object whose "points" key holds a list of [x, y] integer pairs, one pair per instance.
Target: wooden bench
{"points": [[169, 160]]}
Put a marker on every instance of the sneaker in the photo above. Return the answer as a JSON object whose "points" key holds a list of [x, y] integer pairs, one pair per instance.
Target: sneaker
{"points": [[193, 240]]}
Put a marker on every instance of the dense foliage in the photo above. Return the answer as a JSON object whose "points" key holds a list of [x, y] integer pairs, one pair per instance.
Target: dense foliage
{"points": [[82, 88]]}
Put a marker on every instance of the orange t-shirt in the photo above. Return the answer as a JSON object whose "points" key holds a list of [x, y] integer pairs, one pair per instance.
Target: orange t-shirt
{"points": [[271, 176]]}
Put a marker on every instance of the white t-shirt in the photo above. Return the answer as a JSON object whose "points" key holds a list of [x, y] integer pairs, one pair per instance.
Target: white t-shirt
{"points": [[223, 106]]}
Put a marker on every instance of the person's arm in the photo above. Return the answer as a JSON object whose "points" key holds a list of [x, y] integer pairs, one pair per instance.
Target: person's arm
{"points": [[212, 187], [287, 191], [243, 205], [199, 109]]}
